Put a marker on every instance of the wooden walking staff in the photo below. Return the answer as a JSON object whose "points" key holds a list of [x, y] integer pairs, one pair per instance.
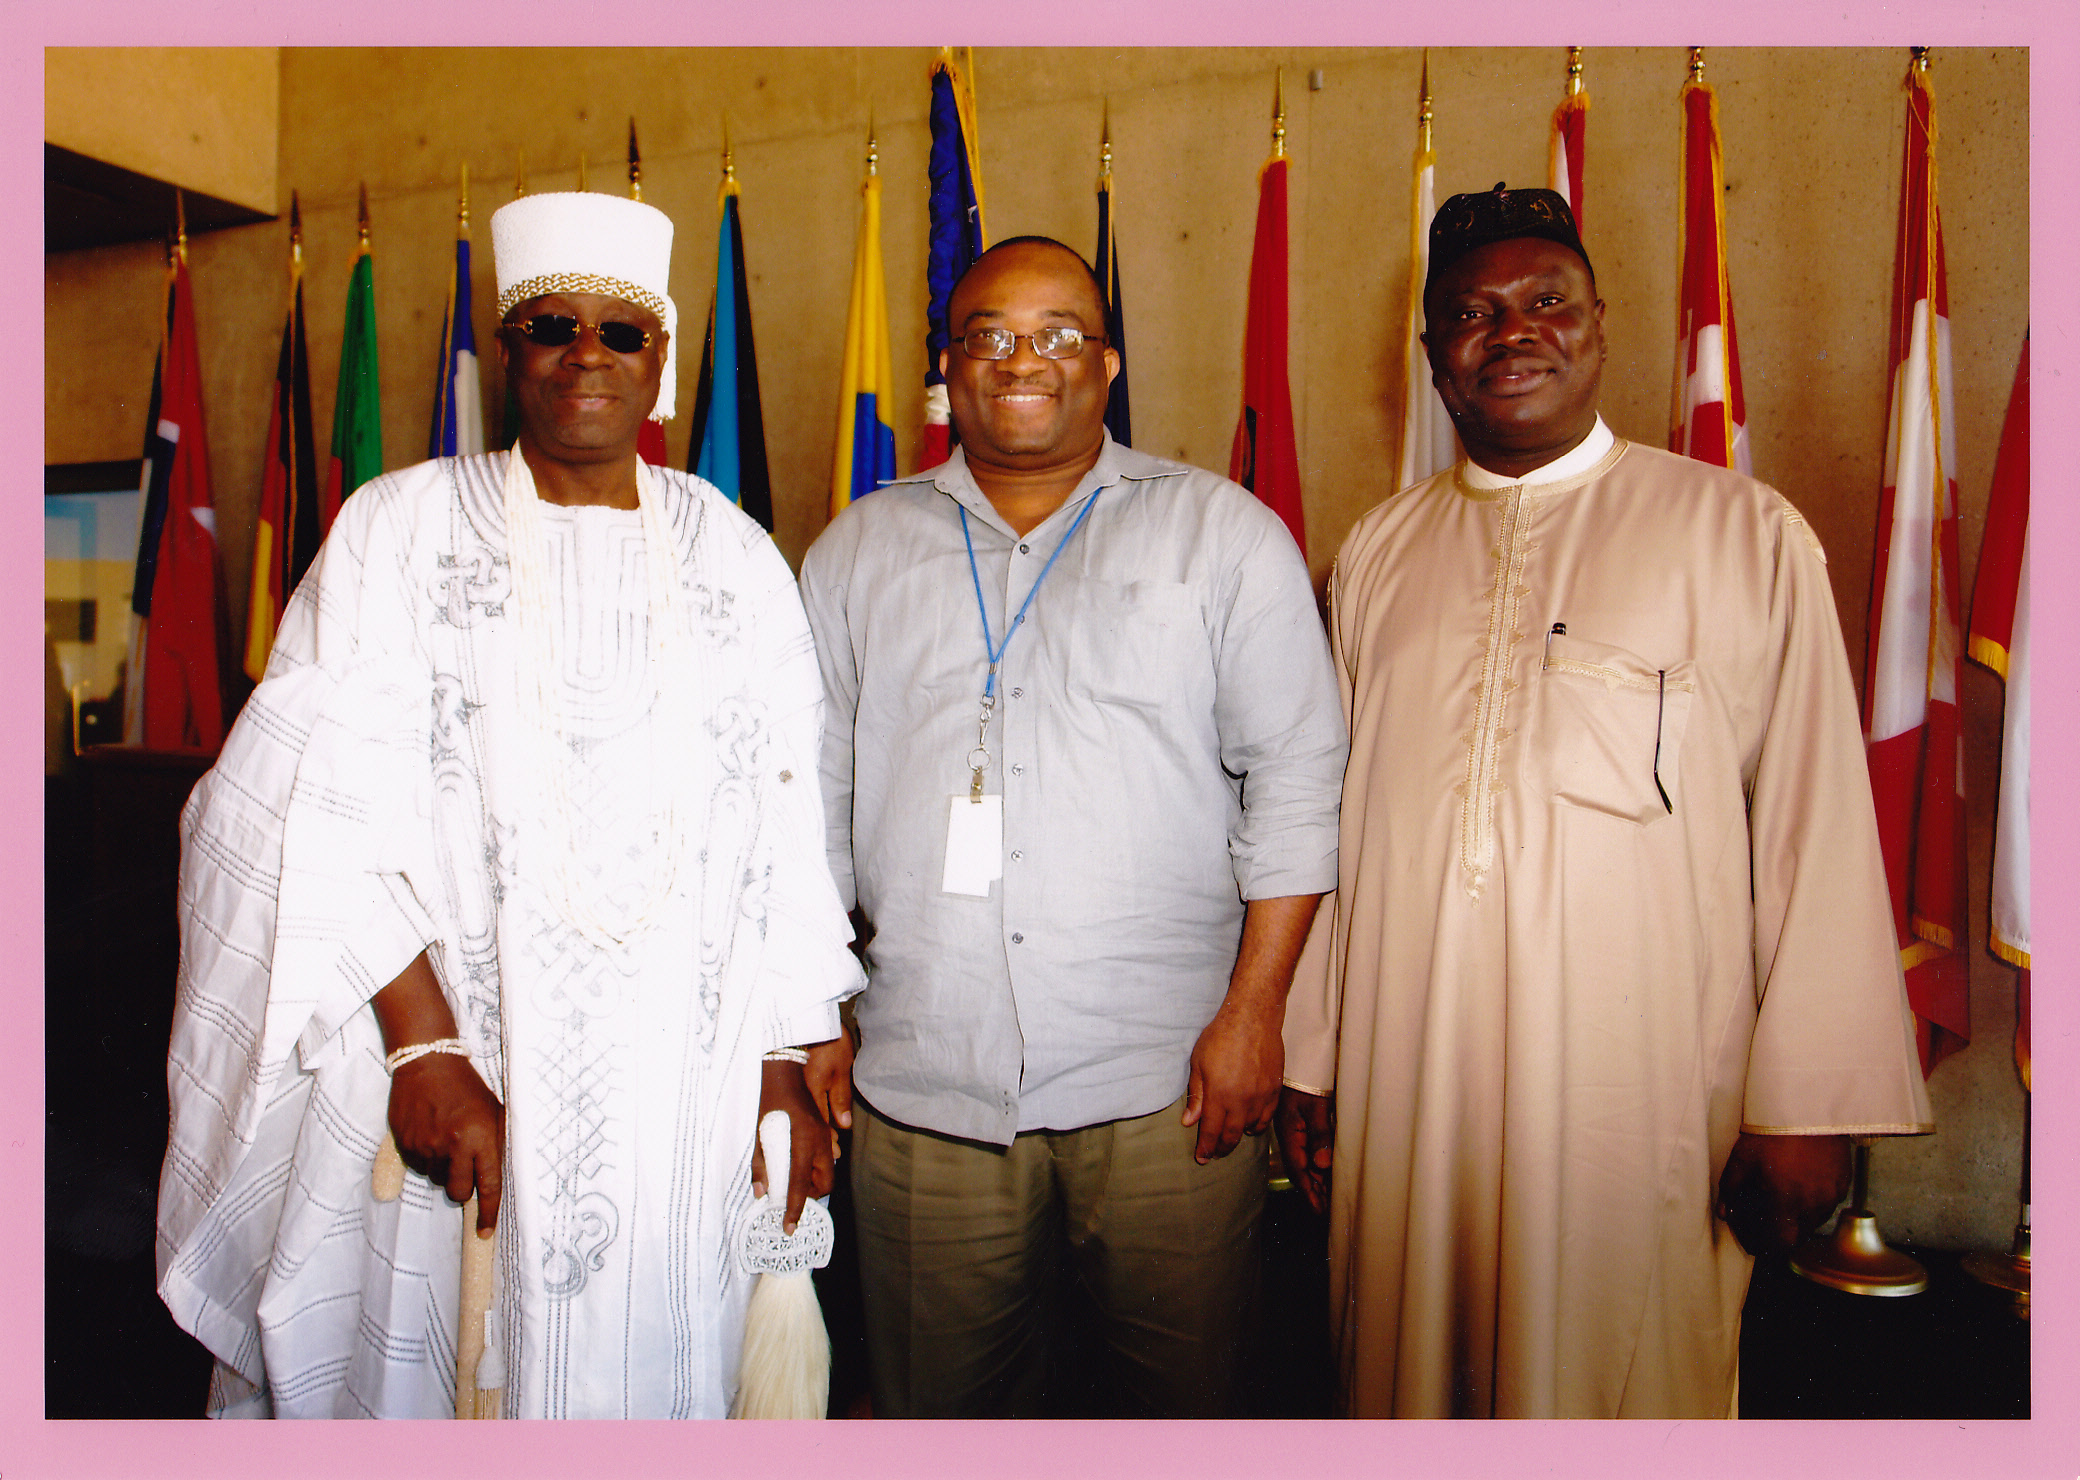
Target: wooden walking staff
{"points": [[479, 1263]]}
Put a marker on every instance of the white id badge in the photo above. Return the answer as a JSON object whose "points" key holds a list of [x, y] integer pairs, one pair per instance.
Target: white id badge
{"points": [[974, 845]]}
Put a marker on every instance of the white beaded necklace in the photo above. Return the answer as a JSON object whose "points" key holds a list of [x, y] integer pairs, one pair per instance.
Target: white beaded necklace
{"points": [[538, 682]]}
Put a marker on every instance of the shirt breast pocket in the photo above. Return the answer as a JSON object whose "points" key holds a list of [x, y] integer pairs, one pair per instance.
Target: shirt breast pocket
{"points": [[1142, 644], [1610, 729]]}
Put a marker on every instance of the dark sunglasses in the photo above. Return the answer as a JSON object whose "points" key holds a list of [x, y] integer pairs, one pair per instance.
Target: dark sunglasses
{"points": [[555, 330]]}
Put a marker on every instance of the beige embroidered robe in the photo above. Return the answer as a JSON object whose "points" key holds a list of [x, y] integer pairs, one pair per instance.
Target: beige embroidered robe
{"points": [[1562, 996]]}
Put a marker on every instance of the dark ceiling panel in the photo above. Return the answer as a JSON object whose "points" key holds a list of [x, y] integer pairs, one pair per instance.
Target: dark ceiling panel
{"points": [[90, 203]]}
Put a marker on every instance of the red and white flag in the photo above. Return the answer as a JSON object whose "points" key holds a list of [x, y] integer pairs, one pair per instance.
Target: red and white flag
{"points": [[2000, 640], [181, 647], [1910, 713], [1710, 416]]}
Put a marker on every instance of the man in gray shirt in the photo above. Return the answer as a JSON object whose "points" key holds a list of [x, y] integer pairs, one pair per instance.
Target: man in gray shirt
{"points": [[1082, 761]]}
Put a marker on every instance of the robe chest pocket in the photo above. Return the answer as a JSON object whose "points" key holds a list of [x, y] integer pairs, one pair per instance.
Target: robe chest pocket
{"points": [[1141, 644], [1609, 730]]}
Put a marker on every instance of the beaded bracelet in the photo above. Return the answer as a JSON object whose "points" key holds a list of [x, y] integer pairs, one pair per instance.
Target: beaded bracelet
{"points": [[788, 1056], [400, 1057]]}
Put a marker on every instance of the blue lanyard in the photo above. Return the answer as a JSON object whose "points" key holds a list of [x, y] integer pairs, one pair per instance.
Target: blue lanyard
{"points": [[992, 647]]}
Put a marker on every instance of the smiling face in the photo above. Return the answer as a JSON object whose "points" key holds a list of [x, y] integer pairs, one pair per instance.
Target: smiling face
{"points": [[581, 402], [1516, 351], [1025, 413]]}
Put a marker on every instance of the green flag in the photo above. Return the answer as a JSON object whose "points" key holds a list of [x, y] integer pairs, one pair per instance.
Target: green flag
{"points": [[357, 419]]}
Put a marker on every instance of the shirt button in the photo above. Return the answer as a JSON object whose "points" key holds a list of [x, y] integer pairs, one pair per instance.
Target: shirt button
{"points": [[1025, 549], [1017, 856], [1018, 693], [1018, 768], [1017, 939]]}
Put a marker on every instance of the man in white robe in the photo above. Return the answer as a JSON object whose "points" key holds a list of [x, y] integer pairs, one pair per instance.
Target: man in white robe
{"points": [[1609, 977], [527, 802]]}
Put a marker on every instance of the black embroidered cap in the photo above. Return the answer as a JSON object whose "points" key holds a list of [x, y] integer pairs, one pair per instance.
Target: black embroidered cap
{"points": [[1466, 222]]}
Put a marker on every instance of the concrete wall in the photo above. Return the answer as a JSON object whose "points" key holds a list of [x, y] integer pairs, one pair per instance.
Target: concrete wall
{"points": [[223, 103], [1813, 140]]}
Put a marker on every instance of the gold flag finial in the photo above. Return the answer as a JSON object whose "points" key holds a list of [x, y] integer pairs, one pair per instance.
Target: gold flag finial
{"points": [[873, 149], [1423, 108], [519, 173], [635, 163], [180, 226], [1278, 114], [1921, 58], [729, 160], [462, 205], [1574, 71], [1105, 146], [295, 233], [1697, 64], [364, 216]]}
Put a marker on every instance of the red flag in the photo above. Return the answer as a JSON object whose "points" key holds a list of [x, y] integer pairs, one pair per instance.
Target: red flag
{"points": [[185, 635], [1710, 421], [1263, 459], [1910, 714], [1569, 138], [2000, 640]]}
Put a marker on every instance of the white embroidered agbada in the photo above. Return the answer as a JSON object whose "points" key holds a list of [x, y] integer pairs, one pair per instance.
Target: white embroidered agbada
{"points": [[380, 794], [1562, 995]]}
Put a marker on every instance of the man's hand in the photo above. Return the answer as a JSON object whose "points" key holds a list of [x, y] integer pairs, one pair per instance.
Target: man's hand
{"points": [[829, 1077], [1307, 1140], [445, 1120], [1777, 1189], [449, 1126], [782, 1087], [1234, 1080], [1236, 1064]]}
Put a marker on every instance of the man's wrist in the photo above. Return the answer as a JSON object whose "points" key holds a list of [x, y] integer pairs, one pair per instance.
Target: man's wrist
{"points": [[398, 1057]]}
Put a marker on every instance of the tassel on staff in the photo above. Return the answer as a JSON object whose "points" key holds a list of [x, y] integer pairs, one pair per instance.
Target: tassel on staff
{"points": [[786, 1367]]}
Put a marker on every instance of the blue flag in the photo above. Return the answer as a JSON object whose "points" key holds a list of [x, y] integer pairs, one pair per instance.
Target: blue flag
{"points": [[458, 401], [728, 445]]}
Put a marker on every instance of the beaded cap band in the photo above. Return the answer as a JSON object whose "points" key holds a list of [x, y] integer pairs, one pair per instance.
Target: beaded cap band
{"points": [[579, 282]]}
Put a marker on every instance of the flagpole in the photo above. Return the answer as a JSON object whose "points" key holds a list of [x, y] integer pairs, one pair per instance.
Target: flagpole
{"points": [[1855, 1258], [2010, 1271], [650, 441]]}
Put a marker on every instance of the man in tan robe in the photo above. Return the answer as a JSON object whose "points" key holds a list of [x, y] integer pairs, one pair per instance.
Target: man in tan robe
{"points": [[1609, 978]]}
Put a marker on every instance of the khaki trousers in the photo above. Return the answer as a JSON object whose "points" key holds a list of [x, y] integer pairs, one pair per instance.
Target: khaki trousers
{"points": [[958, 1242]]}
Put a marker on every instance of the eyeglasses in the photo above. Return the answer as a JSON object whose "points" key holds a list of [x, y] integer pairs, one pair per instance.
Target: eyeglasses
{"points": [[1056, 342], [554, 330]]}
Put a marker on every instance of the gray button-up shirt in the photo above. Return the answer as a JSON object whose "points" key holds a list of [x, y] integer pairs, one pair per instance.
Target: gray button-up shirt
{"points": [[1168, 743]]}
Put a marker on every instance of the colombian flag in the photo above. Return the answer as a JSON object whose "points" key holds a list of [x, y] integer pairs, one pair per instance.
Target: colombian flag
{"points": [[866, 437]]}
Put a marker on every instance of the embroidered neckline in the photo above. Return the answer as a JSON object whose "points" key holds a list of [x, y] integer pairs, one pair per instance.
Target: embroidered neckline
{"points": [[1588, 475]]}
